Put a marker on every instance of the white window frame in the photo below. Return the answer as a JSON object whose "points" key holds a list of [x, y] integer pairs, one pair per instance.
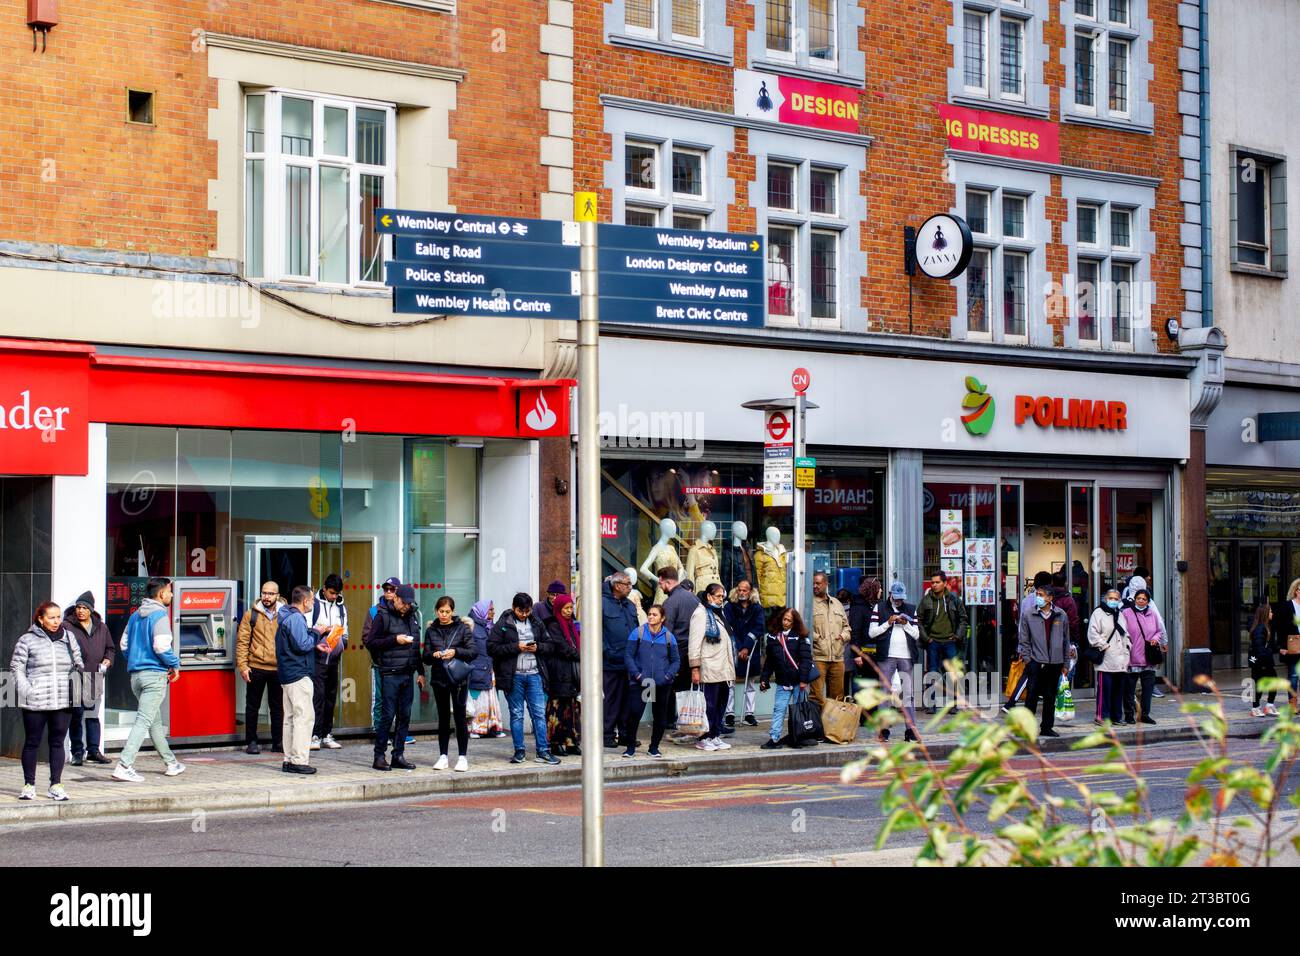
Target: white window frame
{"points": [[792, 266], [988, 209], [782, 55], [997, 244], [986, 334], [698, 39], [1098, 292], [836, 174], [1095, 37], [816, 62], [1097, 209], [1103, 32], [1128, 42], [804, 223], [276, 162], [649, 33], [986, 19], [652, 210], [831, 321], [661, 199], [1107, 255], [1023, 58]]}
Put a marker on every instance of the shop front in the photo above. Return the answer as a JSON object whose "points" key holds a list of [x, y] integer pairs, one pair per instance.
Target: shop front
{"points": [[1070, 472], [1252, 503], [225, 475]]}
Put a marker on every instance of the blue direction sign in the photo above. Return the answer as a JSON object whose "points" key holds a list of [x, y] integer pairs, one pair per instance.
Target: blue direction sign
{"points": [[454, 225], [506, 304], [453, 277], [680, 277], [485, 252]]}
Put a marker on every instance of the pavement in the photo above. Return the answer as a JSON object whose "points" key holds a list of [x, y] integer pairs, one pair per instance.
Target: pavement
{"points": [[228, 779]]}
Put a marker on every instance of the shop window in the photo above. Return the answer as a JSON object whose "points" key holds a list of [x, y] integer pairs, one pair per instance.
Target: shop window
{"points": [[1107, 59], [975, 51], [1257, 226], [823, 191], [781, 267], [315, 171], [665, 183], [977, 211], [781, 190], [1107, 299], [998, 279], [977, 292]]}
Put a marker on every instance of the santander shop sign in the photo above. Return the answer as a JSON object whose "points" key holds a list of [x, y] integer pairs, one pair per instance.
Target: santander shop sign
{"points": [[43, 419]]}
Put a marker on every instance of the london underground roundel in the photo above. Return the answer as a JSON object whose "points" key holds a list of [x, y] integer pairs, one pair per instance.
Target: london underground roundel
{"points": [[944, 246]]}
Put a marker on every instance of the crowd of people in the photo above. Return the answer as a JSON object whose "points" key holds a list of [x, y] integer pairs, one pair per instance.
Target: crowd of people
{"points": [[722, 646]]}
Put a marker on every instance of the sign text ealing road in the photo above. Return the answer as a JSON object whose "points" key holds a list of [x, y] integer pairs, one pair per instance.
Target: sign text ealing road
{"points": [[454, 264]]}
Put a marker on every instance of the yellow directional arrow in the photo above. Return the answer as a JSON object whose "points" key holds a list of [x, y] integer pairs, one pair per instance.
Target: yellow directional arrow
{"points": [[753, 245], [387, 220]]}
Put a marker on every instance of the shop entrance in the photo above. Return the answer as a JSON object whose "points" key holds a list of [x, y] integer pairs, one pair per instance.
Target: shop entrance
{"points": [[1244, 575]]}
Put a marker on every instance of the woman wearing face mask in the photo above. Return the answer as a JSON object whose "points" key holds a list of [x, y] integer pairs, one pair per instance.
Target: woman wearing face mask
{"points": [[895, 633], [444, 639], [1147, 632], [1110, 646], [712, 658]]}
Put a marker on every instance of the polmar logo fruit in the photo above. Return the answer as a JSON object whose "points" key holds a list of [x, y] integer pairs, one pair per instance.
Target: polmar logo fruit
{"points": [[979, 419]]}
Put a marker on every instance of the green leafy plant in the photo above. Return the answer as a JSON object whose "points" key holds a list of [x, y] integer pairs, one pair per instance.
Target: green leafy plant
{"points": [[1095, 815]]}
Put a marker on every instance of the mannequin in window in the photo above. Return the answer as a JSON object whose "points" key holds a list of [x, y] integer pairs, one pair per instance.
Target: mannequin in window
{"points": [[702, 560], [769, 567], [662, 555], [739, 536]]}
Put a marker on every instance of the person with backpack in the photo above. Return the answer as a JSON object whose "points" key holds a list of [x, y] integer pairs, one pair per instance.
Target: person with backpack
{"points": [[1261, 659], [1108, 650], [329, 616], [45, 663], [651, 661], [255, 662], [789, 664], [152, 663]]}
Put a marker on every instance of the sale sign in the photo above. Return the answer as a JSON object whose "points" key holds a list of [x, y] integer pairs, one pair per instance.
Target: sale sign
{"points": [[1000, 134], [795, 102]]}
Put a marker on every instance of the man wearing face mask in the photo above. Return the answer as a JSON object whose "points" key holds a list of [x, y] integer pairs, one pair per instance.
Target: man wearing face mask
{"points": [[895, 633], [1044, 646]]}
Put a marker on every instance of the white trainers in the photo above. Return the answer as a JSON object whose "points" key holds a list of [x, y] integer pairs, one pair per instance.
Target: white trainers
{"points": [[28, 792], [315, 743], [1257, 712], [123, 772], [442, 763], [329, 742], [720, 744], [56, 792], [174, 769], [706, 744], [462, 765], [1270, 709]]}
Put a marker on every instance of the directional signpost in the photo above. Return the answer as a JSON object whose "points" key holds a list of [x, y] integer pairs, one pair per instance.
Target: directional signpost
{"points": [[680, 277], [455, 264]]}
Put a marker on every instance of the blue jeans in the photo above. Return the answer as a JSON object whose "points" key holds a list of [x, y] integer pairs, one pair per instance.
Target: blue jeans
{"points": [[936, 652], [527, 688], [784, 697], [84, 716], [397, 690], [150, 689]]}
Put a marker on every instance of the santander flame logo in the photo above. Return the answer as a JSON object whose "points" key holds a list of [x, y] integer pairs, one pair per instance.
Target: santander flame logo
{"points": [[542, 417]]}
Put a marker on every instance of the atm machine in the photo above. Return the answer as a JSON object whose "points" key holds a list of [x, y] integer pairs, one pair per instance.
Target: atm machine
{"points": [[202, 703]]}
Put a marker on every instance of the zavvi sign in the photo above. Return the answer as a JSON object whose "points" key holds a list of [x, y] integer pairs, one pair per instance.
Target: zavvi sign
{"points": [[944, 246]]}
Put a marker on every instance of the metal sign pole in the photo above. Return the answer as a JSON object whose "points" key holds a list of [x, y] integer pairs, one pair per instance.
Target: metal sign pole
{"points": [[800, 511], [589, 563]]}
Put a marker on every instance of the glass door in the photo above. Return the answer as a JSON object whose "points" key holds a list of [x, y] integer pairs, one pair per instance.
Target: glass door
{"points": [[1012, 580], [1221, 631], [1250, 592], [1080, 567]]}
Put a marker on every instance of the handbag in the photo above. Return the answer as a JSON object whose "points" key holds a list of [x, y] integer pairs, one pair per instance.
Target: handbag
{"points": [[692, 712], [457, 671], [805, 721], [840, 721], [1155, 654]]}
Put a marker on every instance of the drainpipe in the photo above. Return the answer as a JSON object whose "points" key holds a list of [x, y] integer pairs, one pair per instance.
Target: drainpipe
{"points": [[1207, 255]]}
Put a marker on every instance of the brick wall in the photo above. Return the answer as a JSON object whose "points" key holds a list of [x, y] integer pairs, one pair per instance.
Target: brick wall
{"points": [[907, 58], [74, 171]]}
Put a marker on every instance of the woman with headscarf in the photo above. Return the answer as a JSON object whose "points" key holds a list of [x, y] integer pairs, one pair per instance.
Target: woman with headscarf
{"points": [[1146, 630], [562, 680], [483, 709], [1109, 649]]}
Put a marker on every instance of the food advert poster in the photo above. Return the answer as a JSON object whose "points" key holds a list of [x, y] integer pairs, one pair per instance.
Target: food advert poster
{"points": [[979, 555], [950, 533]]}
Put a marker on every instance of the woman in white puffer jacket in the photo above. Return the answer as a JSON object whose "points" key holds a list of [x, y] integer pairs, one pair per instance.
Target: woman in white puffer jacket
{"points": [[1106, 633]]}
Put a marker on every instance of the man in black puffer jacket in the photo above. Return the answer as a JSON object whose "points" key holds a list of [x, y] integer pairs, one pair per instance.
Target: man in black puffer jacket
{"points": [[394, 644], [517, 641]]}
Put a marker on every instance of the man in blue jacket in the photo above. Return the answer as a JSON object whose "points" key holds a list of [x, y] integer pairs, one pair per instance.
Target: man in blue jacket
{"points": [[152, 663], [618, 620], [295, 663]]}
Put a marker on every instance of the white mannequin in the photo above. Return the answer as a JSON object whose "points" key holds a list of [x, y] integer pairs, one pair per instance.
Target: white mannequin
{"points": [[662, 555], [739, 534], [773, 545], [702, 561]]}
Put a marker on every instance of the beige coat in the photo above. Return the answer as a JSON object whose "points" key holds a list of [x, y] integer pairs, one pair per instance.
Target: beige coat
{"points": [[831, 631], [702, 566], [717, 662]]}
